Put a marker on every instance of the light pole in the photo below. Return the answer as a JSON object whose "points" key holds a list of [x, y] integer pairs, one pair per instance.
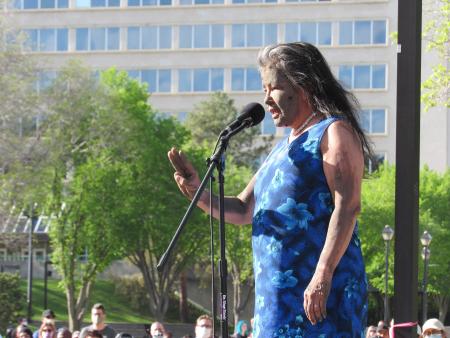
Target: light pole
{"points": [[387, 234], [426, 240]]}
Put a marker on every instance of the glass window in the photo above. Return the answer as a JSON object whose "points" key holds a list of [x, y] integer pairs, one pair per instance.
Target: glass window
{"points": [[217, 36], [149, 76], [185, 37], [165, 2], [149, 37], [47, 40], [253, 79], [185, 2], [165, 37], [133, 38], [149, 2], [362, 76], [365, 120], [82, 38], [291, 33], [83, 3], [254, 35], [113, 38], [98, 37], [216, 79], [308, 32], [345, 32], [46, 79], [98, 3], [378, 121], [201, 2], [164, 80], [324, 33], [238, 35], [30, 4], [113, 3], [379, 31], [238, 1], [62, 41], [133, 3], [47, 3], [134, 74], [379, 76], [237, 79], [184, 80], [201, 36], [268, 127], [362, 32], [345, 76], [63, 3], [217, 2], [201, 80], [32, 39], [270, 33]]}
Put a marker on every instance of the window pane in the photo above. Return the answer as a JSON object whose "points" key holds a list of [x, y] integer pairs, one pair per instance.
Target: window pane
{"points": [[47, 3], [217, 1], [133, 38], [346, 33], [254, 35], [253, 79], [201, 2], [378, 121], [291, 34], [216, 79], [268, 127], [63, 3], [238, 1], [47, 40], [238, 36], [308, 32], [62, 39], [201, 36], [165, 2], [30, 4], [270, 33], [185, 36], [98, 39], [365, 120], [379, 76], [362, 77], [132, 3], [345, 76], [113, 3], [149, 76], [164, 80], [237, 79], [113, 38], [149, 2], [217, 38], [379, 31], [325, 33], [31, 41], [362, 32], [201, 80], [82, 38], [134, 74], [165, 37], [98, 3], [184, 80], [185, 2], [149, 37]]}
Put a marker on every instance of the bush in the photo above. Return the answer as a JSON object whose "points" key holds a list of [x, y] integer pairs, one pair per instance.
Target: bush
{"points": [[11, 299], [132, 289]]}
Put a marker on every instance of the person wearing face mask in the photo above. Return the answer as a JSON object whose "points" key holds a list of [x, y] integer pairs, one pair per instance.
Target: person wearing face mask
{"points": [[203, 327], [98, 317], [47, 329], [433, 328], [157, 330]]}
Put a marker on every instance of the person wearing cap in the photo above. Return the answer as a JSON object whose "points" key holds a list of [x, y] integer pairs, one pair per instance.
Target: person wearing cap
{"points": [[433, 328], [46, 314]]}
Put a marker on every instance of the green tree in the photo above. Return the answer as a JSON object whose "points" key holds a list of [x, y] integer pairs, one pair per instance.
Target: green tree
{"points": [[436, 36], [210, 117], [378, 198], [11, 299]]}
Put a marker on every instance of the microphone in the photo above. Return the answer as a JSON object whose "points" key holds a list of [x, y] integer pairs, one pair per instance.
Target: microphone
{"points": [[252, 114]]}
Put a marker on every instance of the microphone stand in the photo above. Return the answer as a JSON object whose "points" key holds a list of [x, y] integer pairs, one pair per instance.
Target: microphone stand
{"points": [[216, 161]]}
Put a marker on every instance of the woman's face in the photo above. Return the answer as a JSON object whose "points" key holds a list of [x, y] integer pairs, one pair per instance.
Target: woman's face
{"points": [[243, 328], [47, 332]]}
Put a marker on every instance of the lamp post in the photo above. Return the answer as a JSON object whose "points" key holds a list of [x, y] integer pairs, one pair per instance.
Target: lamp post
{"points": [[387, 234], [426, 240]]}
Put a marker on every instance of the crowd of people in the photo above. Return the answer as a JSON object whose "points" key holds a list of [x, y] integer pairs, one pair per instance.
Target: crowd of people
{"points": [[99, 329], [432, 328]]}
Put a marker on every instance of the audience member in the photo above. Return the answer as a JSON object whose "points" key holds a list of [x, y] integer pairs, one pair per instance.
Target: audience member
{"points": [[371, 332], [46, 314], [93, 334], [242, 329], [47, 329], [203, 327], [23, 331], [76, 334], [382, 330], [157, 330], [63, 332], [98, 316], [433, 328], [124, 335]]}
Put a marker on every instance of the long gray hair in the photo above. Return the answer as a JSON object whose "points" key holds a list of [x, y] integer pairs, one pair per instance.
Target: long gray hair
{"points": [[306, 68]]}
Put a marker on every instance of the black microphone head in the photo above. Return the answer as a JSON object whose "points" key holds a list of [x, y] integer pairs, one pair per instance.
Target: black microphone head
{"points": [[254, 112]]}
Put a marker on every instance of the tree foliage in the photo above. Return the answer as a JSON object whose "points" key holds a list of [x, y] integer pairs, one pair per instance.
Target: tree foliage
{"points": [[11, 299]]}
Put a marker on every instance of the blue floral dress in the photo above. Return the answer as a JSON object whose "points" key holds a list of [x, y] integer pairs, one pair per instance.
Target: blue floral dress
{"points": [[293, 205]]}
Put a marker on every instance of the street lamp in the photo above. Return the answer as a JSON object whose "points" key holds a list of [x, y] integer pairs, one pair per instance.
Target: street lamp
{"points": [[426, 240], [387, 234]]}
